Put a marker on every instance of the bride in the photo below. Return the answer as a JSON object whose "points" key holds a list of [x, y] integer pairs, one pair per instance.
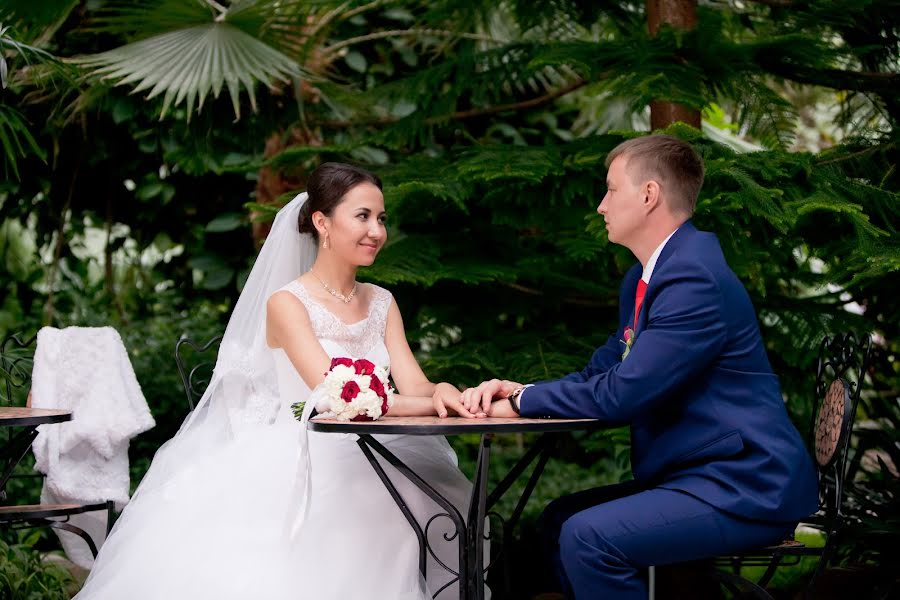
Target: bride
{"points": [[243, 502]]}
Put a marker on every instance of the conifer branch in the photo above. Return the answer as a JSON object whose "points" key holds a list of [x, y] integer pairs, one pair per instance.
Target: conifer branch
{"points": [[468, 114], [577, 301], [881, 83], [857, 154], [533, 103], [361, 9], [331, 50], [775, 3]]}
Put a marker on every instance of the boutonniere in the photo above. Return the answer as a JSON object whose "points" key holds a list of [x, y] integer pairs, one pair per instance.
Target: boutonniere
{"points": [[628, 342]]}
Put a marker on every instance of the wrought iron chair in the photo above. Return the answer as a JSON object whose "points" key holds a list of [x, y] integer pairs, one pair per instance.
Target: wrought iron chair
{"points": [[841, 366], [16, 357], [201, 357]]}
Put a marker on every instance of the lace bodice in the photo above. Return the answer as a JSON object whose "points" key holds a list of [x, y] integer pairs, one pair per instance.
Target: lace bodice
{"points": [[359, 339], [363, 339]]}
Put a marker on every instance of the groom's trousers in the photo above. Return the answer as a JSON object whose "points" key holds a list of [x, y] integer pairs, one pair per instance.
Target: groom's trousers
{"points": [[604, 539]]}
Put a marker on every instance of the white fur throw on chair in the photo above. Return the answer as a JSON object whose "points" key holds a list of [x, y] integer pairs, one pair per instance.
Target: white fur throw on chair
{"points": [[86, 370]]}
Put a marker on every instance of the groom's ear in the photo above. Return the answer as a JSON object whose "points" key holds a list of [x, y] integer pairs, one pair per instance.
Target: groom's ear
{"points": [[651, 195]]}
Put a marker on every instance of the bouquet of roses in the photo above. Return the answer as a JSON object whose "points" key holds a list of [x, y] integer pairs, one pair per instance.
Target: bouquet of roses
{"points": [[354, 390]]}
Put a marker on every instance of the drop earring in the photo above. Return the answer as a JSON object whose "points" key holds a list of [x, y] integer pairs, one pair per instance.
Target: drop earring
{"points": [[325, 241]]}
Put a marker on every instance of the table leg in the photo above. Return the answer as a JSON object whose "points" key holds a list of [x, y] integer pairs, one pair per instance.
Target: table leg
{"points": [[12, 452], [541, 450], [477, 514], [471, 535], [367, 442], [401, 503]]}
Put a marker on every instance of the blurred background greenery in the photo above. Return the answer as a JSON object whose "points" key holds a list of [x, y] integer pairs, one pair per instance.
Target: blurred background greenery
{"points": [[146, 144]]}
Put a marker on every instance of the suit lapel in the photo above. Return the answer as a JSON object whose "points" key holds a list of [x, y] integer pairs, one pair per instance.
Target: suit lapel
{"points": [[683, 233]]}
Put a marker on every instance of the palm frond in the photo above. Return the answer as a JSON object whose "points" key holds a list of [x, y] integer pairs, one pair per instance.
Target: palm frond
{"points": [[190, 64], [287, 25], [16, 140], [29, 53], [137, 21]]}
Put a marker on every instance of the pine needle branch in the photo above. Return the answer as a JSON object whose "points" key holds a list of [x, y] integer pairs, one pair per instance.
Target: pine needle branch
{"points": [[330, 51], [468, 114]]}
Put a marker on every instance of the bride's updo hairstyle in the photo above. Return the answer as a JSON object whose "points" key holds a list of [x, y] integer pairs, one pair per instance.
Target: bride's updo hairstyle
{"points": [[326, 188]]}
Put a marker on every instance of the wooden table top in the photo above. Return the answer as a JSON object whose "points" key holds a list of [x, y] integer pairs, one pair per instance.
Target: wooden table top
{"points": [[11, 416], [450, 425]]}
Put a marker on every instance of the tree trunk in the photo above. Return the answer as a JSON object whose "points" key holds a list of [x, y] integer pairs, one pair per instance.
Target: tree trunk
{"points": [[272, 183], [680, 14]]}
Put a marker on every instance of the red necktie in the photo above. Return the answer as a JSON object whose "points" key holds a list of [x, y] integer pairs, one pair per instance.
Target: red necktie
{"points": [[639, 299]]}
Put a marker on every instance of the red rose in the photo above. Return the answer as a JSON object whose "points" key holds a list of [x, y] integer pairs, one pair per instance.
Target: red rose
{"points": [[362, 417], [376, 386], [340, 361], [350, 391], [364, 367], [384, 407]]}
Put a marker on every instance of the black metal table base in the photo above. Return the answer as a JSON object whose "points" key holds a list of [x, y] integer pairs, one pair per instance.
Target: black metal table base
{"points": [[469, 532], [13, 451], [11, 454]]}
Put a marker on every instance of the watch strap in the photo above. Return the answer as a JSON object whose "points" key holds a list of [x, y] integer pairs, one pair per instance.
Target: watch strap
{"points": [[514, 399]]}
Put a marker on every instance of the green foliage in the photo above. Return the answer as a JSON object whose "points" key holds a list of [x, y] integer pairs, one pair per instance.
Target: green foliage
{"points": [[25, 575], [489, 123], [16, 139]]}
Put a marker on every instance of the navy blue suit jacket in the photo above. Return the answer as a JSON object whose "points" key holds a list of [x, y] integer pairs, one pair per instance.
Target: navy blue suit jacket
{"points": [[697, 389]]}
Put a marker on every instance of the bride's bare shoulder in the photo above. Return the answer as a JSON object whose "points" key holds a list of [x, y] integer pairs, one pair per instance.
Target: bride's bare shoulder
{"points": [[284, 312], [285, 303]]}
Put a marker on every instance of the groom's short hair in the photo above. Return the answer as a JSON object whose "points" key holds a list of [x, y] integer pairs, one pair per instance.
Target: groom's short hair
{"points": [[669, 161]]}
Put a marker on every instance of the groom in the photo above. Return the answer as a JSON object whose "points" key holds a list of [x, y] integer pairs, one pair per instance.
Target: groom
{"points": [[718, 467]]}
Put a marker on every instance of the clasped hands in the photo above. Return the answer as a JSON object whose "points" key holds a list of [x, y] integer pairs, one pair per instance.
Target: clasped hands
{"points": [[488, 399]]}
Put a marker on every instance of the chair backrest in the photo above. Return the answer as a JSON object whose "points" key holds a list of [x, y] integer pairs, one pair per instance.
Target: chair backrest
{"points": [[195, 365], [840, 370], [16, 360]]}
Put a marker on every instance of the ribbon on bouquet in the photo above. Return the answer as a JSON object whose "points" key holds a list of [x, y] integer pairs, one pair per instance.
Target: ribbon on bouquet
{"points": [[303, 482]]}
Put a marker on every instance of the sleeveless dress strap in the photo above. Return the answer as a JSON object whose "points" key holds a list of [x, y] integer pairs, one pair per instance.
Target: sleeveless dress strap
{"points": [[379, 307]]}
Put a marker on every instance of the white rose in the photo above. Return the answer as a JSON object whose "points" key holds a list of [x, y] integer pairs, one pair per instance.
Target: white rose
{"points": [[344, 372], [367, 402], [337, 404], [362, 381]]}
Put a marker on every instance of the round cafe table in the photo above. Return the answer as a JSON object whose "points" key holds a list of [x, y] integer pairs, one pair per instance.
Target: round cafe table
{"points": [[469, 530], [15, 447], [12, 451]]}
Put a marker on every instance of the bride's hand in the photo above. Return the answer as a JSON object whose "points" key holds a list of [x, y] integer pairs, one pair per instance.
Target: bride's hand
{"points": [[447, 397]]}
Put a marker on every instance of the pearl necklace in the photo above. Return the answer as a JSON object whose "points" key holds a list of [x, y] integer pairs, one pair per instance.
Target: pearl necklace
{"points": [[345, 299]]}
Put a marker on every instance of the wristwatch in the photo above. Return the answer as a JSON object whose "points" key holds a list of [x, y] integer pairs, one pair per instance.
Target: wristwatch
{"points": [[514, 399]]}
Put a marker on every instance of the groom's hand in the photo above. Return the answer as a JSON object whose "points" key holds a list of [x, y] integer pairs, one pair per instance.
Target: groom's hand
{"points": [[479, 398]]}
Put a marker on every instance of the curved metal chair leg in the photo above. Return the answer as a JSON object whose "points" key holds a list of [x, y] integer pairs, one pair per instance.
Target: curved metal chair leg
{"points": [[770, 571], [73, 529], [110, 516], [732, 581]]}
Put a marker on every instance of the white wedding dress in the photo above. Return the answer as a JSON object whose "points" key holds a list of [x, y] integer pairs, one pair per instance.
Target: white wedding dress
{"points": [[219, 529]]}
